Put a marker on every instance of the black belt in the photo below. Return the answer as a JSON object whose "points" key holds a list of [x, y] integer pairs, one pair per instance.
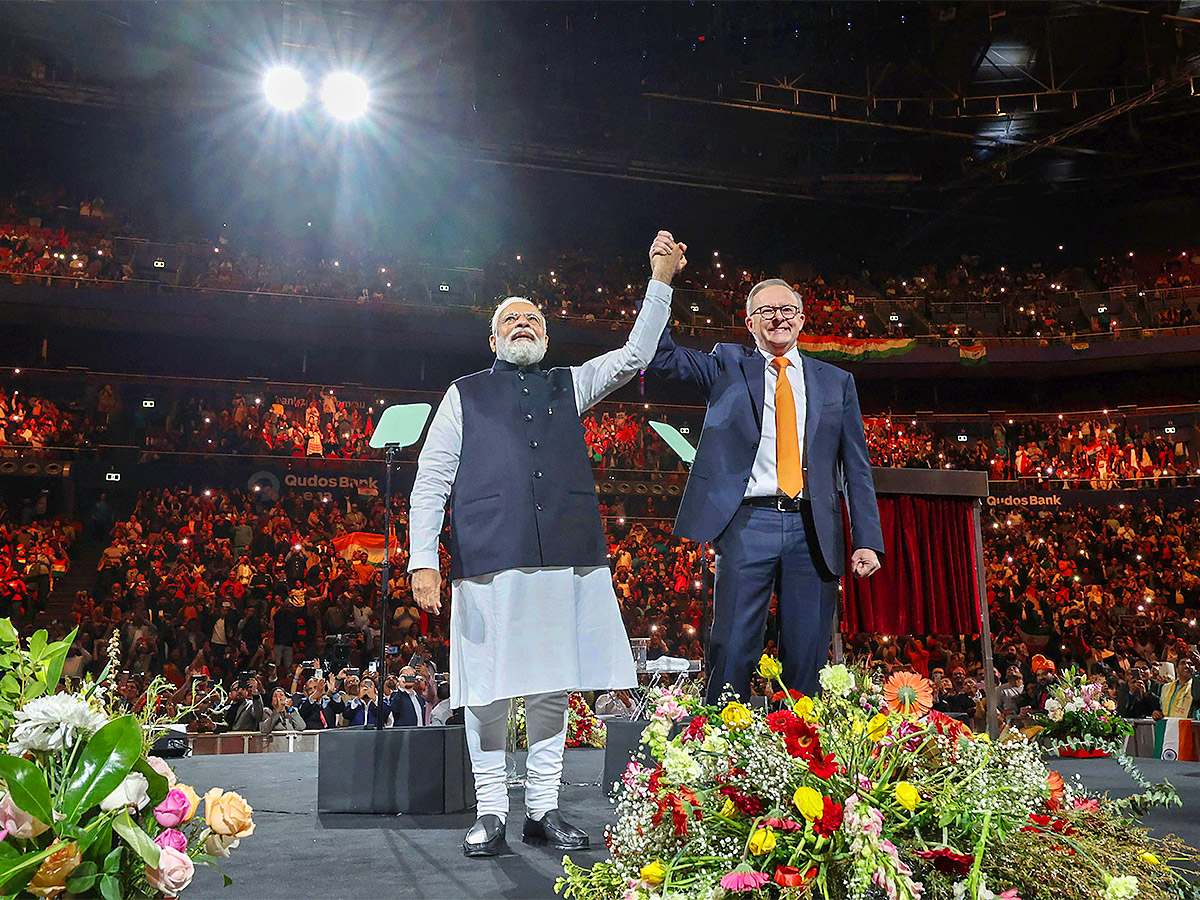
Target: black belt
{"points": [[783, 504]]}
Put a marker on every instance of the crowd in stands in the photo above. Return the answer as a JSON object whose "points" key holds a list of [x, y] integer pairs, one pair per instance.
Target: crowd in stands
{"points": [[246, 591], [1096, 451], [1037, 300], [34, 550]]}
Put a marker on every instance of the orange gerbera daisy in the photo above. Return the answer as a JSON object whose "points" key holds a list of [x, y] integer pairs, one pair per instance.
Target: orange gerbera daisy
{"points": [[909, 693], [1058, 790]]}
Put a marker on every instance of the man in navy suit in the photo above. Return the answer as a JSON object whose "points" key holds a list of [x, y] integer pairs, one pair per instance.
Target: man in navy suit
{"points": [[782, 444]]}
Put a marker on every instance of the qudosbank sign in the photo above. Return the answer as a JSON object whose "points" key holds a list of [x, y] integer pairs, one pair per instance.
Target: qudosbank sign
{"points": [[1171, 497], [362, 484]]}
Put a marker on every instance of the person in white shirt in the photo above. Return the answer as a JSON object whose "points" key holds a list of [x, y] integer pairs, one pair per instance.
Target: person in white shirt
{"points": [[534, 613]]}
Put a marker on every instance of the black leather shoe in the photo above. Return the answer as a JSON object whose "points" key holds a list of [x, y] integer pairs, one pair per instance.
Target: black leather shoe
{"points": [[486, 837], [553, 830]]}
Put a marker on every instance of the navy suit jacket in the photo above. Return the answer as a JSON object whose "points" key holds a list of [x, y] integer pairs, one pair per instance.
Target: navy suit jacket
{"points": [[732, 380], [403, 712]]}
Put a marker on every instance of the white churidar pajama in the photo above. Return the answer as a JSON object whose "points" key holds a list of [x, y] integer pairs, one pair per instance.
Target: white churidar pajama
{"points": [[536, 633]]}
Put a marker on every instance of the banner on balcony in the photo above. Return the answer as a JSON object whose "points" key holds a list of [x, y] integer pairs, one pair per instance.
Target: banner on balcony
{"points": [[972, 355], [852, 349]]}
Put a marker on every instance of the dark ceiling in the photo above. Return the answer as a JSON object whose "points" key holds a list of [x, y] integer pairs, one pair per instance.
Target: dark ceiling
{"points": [[928, 112]]}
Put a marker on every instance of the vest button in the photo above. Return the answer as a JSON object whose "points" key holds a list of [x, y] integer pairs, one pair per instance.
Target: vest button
{"points": [[525, 391], [528, 417], [539, 507], [537, 474], [533, 444], [521, 375]]}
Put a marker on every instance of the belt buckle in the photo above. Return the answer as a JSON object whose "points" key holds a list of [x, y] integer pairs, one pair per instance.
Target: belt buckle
{"points": [[784, 503]]}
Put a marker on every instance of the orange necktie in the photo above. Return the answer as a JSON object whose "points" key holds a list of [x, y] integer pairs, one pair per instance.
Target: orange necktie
{"points": [[787, 441]]}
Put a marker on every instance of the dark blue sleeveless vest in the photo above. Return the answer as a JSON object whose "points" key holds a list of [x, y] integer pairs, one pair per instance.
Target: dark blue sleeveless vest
{"points": [[524, 495]]}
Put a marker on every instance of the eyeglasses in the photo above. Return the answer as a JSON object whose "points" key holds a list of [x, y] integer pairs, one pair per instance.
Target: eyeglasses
{"points": [[769, 312]]}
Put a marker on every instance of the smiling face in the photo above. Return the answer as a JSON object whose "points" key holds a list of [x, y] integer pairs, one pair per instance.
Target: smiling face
{"points": [[519, 335], [767, 321]]}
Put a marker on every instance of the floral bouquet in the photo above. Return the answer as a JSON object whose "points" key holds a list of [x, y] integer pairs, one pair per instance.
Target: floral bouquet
{"points": [[864, 792], [1080, 720], [584, 727], [83, 809]]}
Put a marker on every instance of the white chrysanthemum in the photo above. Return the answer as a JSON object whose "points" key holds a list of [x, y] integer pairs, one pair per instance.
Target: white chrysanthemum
{"points": [[837, 679], [52, 723], [1122, 887]]}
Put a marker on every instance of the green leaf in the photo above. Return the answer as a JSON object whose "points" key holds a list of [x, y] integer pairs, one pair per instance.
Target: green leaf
{"points": [[56, 659], [37, 644], [16, 871], [110, 888], [103, 765], [137, 839], [82, 877], [158, 783], [8, 634], [112, 862], [28, 787]]}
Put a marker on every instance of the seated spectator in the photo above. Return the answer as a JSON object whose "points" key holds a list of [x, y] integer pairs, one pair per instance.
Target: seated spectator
{"points": [[283, 717]]}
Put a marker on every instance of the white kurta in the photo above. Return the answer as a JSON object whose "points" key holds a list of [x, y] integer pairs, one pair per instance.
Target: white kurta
{"points": [[531, 631]]}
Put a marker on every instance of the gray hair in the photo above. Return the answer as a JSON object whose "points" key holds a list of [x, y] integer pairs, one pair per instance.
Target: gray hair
{"points": [[509, 301], [761, 286]]}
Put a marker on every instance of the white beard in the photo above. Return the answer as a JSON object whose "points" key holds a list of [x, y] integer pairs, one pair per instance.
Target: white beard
{"points": [[520, 353]]}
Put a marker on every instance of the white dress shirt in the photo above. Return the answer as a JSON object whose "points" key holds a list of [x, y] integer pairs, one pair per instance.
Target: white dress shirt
{"points": [[764, 475]]}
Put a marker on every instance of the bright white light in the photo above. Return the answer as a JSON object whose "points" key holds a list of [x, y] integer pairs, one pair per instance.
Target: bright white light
{"points": [[345, 96], [285, 88]]}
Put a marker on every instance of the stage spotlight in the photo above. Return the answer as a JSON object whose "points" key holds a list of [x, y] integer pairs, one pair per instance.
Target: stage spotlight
{"points": [[285, 88], [344, 95]]}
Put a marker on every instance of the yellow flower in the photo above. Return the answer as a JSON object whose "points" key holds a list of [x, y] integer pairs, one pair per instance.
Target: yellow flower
{"points": [[809, 802], [1151, 859], [762, 841], [804, 708], [769, 667], [877, 727], [736, 716], [653, 873], [728, 808], [193, 799], [907, 795], [228, 814], [857, 727]]}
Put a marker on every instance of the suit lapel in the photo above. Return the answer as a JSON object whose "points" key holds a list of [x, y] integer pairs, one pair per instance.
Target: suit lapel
{"points": [[813, 399], [754, 371]]}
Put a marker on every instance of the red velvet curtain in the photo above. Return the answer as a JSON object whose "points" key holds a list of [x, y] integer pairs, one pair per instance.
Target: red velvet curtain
{"points": [[927, 584]]}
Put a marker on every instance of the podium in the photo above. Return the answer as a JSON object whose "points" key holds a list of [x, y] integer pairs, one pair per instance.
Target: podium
{"points": [[419, 771]]}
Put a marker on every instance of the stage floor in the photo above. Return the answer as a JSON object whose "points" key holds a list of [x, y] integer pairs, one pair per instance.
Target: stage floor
{"points": [[295, 853]]}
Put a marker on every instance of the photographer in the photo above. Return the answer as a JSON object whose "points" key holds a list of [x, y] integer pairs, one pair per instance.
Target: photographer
{"points": [[319, 707], [244, 709], [364, 708], [283, 716]]}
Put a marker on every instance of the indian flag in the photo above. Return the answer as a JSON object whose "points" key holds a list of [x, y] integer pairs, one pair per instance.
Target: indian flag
{"points": [[348, 545], [972, 355], [1174, 739], [1080, 346], [852, 349]]}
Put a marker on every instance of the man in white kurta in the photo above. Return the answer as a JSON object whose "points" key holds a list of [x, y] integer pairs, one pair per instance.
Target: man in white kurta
{"points": [[533, 630]]}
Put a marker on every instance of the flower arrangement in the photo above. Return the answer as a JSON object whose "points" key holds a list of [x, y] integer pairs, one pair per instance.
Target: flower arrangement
{"points": [[584, 727], [862, 793], [1079, 719], [83, 809]]}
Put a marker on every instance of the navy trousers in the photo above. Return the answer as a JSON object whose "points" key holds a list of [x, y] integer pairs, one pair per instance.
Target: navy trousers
{"points": [[761, 551]]}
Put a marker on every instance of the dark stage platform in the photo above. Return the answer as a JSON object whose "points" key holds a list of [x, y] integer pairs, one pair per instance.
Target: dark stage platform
{"points": [[294, 853]]}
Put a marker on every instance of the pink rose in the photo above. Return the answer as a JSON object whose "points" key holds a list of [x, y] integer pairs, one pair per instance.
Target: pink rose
{"points": [[17, 822], [174, 872], [173, 838], [173, 810]]}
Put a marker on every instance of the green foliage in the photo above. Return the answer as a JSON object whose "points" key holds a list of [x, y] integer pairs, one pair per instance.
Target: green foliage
{"points": [[29, 672], [109, 756]]}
